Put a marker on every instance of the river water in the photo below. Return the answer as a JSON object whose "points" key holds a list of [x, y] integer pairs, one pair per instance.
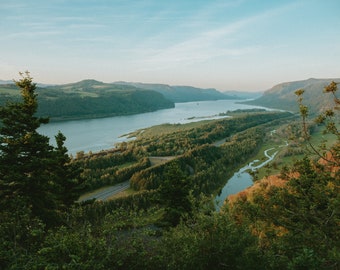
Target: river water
{"points": [[242, 179], [103, 133]]}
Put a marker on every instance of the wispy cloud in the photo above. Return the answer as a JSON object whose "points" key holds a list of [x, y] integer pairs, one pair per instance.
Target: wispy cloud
{"points": [[208, 43], [200, 48], [33, 34], [86, 26], [13, 5], [171, 37]]}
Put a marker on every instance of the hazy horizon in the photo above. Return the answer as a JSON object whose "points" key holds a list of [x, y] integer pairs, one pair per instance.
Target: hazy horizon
{"points": [[220, 90], [248, 45]]}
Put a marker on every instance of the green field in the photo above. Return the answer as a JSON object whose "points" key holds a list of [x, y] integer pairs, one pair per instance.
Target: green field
{"points": [[281, 160], [163, 129]]}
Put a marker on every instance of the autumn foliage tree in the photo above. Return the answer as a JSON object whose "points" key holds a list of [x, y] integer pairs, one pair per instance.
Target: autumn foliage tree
{"points": [[298, 223], [328, 118]]}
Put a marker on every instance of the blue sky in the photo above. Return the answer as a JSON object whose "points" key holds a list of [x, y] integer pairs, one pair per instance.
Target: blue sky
{"points": [[228, 45]]}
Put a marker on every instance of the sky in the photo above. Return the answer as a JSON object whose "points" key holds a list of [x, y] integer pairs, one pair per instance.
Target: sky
{"points": [[247, 45]]}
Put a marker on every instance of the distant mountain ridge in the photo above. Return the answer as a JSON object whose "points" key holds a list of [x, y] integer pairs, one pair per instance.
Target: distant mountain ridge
{"points": [[6, 82], [243, 94], [282, 96], [178, 93], [89, 99], [174, 93]]}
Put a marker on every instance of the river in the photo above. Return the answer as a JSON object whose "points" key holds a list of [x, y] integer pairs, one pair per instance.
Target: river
{"points": [[242, 179], [103, 133]]}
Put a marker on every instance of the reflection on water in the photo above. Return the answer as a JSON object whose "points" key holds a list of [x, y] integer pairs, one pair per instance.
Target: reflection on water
{"points": [[238, 182], [103, 133], [241, 179]]}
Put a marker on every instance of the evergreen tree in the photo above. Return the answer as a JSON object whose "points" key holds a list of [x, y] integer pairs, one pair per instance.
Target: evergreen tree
{"points": [[31, 170], [67, 175], [174, 193]]}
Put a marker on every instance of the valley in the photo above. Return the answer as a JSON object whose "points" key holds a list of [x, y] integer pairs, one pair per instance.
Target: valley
{"points": [[153, 150], [150, 198], [170, 135]]}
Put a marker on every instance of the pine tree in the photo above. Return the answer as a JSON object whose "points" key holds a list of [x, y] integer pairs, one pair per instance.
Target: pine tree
{"points": [[67, 175], [174, 193], [31, 170]]}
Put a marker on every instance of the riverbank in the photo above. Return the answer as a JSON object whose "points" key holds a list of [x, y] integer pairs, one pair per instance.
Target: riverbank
{"points": [[243, 178], [103, 133]]}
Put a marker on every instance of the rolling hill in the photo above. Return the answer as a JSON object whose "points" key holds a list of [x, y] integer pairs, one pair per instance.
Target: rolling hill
{"points": [[282, 96], [90, 99]]}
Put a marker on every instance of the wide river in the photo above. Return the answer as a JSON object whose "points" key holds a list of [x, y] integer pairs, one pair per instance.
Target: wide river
{"points": [[103, 133]]}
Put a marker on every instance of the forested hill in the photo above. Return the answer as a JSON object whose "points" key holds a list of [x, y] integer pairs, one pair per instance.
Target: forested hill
{"points": [[181, 93], [282, 96], [90, 99]]}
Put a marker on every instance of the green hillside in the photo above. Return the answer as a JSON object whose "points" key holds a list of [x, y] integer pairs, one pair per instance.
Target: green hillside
{"points": [[89, 99], [282, 96], [182, 93]]}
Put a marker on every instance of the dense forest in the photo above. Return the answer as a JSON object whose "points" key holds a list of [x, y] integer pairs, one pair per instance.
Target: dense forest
{"points": [[168, 219]]}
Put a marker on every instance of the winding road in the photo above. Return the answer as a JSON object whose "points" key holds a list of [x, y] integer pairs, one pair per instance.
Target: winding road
{"points": [[105, 194]]}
